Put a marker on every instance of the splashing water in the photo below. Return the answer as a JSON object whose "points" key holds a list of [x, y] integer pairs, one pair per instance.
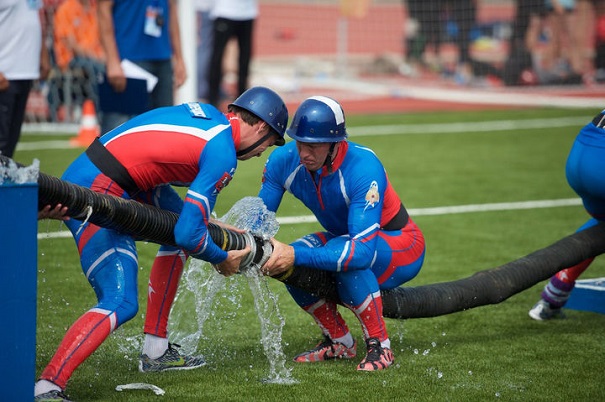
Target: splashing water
{"points": [[272, 322], [201, 284], [250, 213], [13, 174]]}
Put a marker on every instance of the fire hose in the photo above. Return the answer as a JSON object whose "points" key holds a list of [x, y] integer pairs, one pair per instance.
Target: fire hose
{"points": [[142, 221], [490, 286]]}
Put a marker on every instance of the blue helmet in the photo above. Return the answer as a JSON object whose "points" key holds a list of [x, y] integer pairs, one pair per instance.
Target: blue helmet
{"points": [[318, 119], [266, 105]]}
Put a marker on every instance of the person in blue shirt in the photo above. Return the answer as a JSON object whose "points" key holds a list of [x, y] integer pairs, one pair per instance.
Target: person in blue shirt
{"points": [[584, 170], [147, 33], [368, 242]]}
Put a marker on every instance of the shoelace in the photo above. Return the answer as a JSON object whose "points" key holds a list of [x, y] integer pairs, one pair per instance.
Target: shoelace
{"points": [[173, 346], [374, 350]]}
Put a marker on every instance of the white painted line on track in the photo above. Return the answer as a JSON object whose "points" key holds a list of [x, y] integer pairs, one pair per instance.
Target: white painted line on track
{"points": [[462, 95], [456, 209]]}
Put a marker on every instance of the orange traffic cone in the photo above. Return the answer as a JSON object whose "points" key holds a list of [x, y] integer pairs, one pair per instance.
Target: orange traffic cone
{"points": [[89, 127]]}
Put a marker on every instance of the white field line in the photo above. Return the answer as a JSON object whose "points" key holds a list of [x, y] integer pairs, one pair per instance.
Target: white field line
{"points": [[461, 209], [457, 209], [41, 145], [468, 127], [401, 129]]}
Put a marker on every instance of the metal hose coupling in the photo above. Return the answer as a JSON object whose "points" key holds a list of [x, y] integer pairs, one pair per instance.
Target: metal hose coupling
{"points": [[260, 245], [260, 251]]}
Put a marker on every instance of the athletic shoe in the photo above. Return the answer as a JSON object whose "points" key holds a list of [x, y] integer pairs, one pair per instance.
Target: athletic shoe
{"points": [[170, 360], [543, 311], [378, 358], [52, 396], [326, 350]]}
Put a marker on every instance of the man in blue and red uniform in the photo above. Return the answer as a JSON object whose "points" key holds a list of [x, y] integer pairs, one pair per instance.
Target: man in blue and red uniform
{"points": [[369, 243], [191, 145], [584, 170]]}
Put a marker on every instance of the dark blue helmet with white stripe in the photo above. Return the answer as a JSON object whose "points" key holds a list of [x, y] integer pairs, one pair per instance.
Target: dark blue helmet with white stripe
{"points": [[318, 119], [268, 106]]}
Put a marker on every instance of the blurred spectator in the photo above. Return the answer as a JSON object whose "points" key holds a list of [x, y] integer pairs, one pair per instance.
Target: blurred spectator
{"points": [[586, 21], [599, 60], [77, 44], [433, 22], [232, 18], [23, 59], [463, 14], [550, 66], [204, 46], [423, 29], [147, 34], [525, 33], [563, 48]]}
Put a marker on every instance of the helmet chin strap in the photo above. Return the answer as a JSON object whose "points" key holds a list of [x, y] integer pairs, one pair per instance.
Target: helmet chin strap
{"points": [[328, 162], [256, 144]]}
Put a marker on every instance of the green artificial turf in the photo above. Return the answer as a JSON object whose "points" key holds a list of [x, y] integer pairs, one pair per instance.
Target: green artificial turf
{"points": [[490, 353]]}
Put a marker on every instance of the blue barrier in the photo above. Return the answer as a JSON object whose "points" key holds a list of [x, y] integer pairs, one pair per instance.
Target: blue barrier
{"points": [[588, 295], [18, 283]]}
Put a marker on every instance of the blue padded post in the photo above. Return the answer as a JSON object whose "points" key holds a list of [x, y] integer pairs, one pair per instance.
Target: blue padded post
{"points": [[18, 283]]}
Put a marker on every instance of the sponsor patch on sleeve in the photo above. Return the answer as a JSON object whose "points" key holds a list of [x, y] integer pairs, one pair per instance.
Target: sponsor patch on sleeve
{"points": [[223, 182], [372, 196]]}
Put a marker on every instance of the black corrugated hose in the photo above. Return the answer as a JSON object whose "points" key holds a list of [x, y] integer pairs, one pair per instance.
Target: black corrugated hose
{"points": [[485, 287], [145, 222]]}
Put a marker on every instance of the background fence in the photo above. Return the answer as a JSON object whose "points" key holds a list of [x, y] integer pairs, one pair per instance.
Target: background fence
{"points": [[302, 46]]}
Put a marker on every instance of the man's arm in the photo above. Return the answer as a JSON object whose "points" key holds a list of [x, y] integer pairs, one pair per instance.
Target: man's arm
{"points": [[115, 74], [44, 55], [178, 63]]}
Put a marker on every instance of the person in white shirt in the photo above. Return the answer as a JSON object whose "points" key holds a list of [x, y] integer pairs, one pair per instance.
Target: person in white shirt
{"points": [[23, 59], [232, 19], [204, 46]]}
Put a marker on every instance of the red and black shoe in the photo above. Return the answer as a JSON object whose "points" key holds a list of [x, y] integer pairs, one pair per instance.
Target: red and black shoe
{"points": [[327, 350], [378, 358]]}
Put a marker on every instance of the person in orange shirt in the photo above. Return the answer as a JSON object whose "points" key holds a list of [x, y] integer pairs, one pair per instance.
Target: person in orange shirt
{"points": [[77, 42]]}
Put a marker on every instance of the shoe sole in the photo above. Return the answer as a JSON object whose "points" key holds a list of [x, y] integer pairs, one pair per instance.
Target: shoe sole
{"points": [[536, 316], [169, 368], [349, 353], [374, 367], [325, 359]]}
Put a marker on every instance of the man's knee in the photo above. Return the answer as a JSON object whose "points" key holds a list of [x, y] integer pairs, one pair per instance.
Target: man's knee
{"points": [[125, 307]]}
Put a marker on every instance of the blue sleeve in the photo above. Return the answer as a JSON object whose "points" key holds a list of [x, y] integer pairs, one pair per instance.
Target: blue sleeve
{"points": [[272, 186], [216, 168]]}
